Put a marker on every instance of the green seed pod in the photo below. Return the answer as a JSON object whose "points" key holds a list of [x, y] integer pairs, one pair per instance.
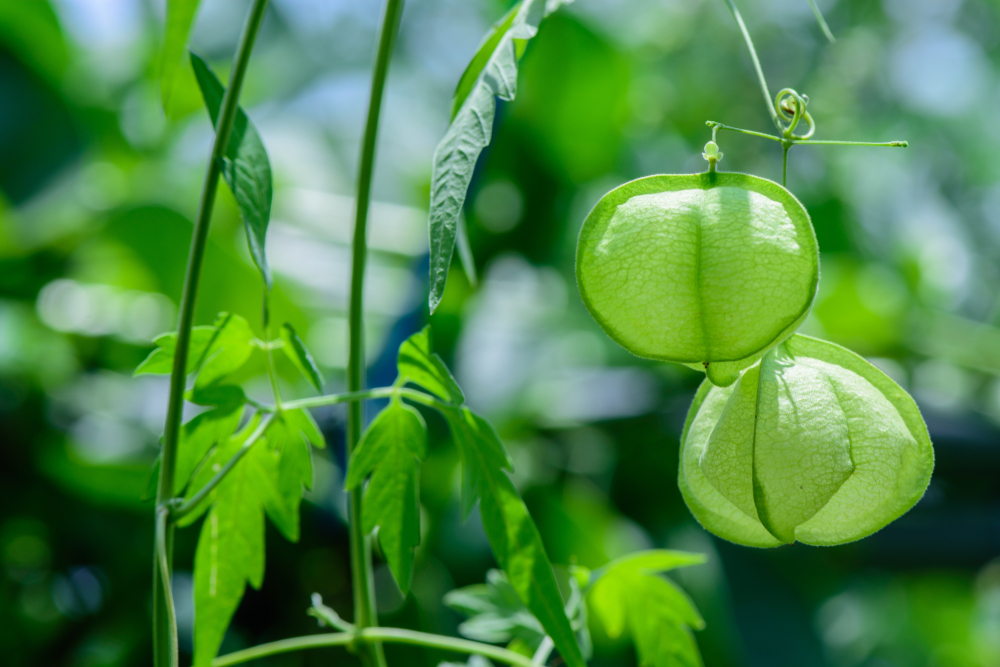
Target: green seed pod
{"points": [[710, 270], [812, 444]]}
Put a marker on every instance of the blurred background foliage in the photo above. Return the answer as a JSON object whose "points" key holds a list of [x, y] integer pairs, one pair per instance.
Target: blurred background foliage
{"points": [[99, 188]]}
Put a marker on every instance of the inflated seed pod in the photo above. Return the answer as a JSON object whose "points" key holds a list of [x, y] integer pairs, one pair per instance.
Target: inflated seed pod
{"points": [[708, 269], [813, 444]]}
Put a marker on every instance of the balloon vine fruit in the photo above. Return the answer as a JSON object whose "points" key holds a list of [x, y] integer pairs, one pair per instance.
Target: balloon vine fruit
{"points": [[708, 269], [812, 444]]}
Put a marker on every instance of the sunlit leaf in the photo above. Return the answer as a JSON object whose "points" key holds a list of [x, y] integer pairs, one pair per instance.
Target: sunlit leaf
{"points": [[491, 73], [300, 356], [161, 360], [421, 366], [180, 18], [226, 352], [512, 534], [630, 597], [390, 451], [246, 167], [211, 428]]}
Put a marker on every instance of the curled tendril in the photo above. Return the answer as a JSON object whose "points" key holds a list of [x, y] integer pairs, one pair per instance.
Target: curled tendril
{"points": [[791, 109]]}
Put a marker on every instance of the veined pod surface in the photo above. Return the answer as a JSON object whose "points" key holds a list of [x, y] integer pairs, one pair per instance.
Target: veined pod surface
{"points": [[813, 444], [709, 270]]}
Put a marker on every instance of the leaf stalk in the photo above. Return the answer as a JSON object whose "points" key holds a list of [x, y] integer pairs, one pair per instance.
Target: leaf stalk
{"points": [[163, 624]]}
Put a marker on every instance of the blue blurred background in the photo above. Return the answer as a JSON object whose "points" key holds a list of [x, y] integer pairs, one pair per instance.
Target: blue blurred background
{"points": [[98, 188]]}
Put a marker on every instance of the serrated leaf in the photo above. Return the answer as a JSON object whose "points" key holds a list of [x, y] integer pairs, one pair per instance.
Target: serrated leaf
{"points": [[230, 553], [390, 451], [491, 73], [246, 167], [658, 616], [180, 18], [495, 613], [198, 436], [418, 364], [161, 360], [297, 352], [512, 533]]}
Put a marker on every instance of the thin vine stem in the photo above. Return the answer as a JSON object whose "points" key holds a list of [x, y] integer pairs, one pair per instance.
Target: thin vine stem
{"points": [[822, 22], [189, 296], [163, 566], [360, 544], [374, 636], [756, 63]]}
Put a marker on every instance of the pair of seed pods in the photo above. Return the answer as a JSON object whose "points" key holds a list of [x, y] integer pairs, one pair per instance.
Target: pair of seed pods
{"points": [[789, 438]]}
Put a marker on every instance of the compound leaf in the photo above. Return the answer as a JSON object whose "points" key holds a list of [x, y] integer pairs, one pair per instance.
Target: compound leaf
{"points": [[658, 615], [245, 167], [297, 352], [509, 527], [180, 17], [419, 365], [228, 350], [390, 451], [198, 436], [491, 73]]}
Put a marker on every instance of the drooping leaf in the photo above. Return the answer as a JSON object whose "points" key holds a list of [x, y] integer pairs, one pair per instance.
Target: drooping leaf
{"points": [[246, 167], [297, 352], [630, 597], [491, 73], [180, 17], [230, 553], [390, 451], [161, 360], [465, 251], [418, 364], [512, 533]]}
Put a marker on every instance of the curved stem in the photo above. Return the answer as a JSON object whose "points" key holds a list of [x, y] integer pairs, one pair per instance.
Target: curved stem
{"points": [[360, 545], [822, 22], [163, 566], [756, 63], [370, 635], [199, 241]]}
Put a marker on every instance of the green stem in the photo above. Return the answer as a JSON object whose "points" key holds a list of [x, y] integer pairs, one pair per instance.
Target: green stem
{"points": [[199, 241], [191, 503], [822, 22], [756, 63], [882, 144], [355, 396], [360, 544], [163, 566], [369, 636]]}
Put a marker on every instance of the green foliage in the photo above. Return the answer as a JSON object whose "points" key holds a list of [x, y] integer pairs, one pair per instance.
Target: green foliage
{"points": [[180, 18], [491, 73], [509, 527], [245, 166], [812, 444], [495, 614], [709, 269], [629, 598], [206, 431], [392, 447], [230, 553], [300, 356]]}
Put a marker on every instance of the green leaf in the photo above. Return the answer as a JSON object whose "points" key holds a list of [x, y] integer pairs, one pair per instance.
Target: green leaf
{"points": [[392, 447], [180, 18], [491, 73], [198, 436], [245, 167], [227, 351], [230, 552], [630, 598], [161, 360], [509, 527], [300, 356], [495, 613], [419, 365]]}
